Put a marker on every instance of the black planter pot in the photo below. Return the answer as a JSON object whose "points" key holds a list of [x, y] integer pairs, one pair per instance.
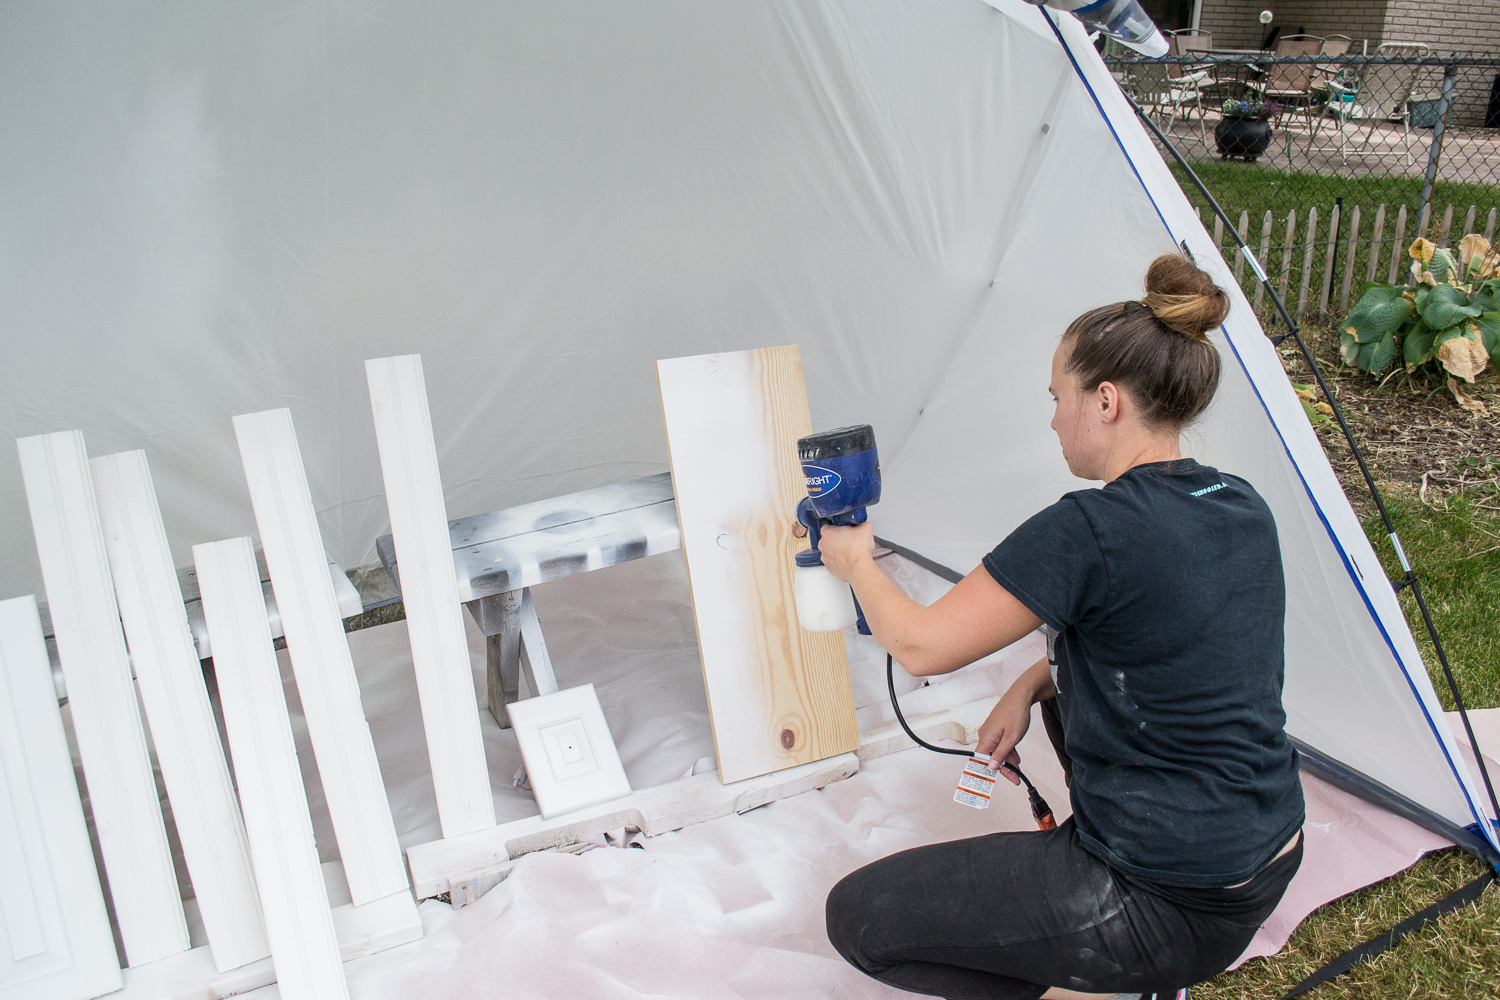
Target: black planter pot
{"points": [[1247, 137]]}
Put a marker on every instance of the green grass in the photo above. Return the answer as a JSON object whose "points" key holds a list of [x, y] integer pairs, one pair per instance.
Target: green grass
{"points": [[1256, 189], [1454, 546], [1458, 956]]}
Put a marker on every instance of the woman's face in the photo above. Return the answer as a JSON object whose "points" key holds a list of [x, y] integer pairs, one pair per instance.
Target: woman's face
{"points": [[1071, 419]]}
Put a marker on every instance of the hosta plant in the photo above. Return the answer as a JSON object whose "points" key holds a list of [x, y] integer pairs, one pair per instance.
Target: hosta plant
{"points": [[1447, 320]]}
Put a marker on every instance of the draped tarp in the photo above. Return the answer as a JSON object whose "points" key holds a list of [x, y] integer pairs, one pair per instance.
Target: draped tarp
{"points": [[207, 210]]}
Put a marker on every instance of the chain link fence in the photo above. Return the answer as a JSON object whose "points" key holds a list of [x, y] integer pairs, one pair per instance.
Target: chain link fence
{"points": [[1357, 157]]}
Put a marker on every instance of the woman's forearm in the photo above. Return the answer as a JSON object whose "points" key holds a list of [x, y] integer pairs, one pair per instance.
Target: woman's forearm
{"points": [[894, 618], [975, 618]]}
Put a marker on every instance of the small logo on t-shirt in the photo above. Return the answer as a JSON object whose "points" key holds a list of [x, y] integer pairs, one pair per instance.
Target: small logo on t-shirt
{"points": [[1208, 489]]}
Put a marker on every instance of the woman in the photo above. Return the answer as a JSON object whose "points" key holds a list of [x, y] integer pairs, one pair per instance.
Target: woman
{"points": [[1163, 602]]}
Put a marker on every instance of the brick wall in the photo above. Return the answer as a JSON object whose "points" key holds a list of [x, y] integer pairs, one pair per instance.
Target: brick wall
{"points": [[1235, 23], [1465, 26]]}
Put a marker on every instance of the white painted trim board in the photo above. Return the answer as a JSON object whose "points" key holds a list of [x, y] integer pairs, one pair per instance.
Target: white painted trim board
{"points": [[293, 547], [183, 729], [55, 940], [429, 587], [299, 924], [101, 696]]}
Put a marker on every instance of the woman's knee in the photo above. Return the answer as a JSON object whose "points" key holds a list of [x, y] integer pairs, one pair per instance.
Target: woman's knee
{"points": [[846, 913]]}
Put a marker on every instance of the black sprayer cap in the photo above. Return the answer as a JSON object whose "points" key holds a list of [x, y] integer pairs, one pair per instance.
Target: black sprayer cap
{"points": [[836, 443]]}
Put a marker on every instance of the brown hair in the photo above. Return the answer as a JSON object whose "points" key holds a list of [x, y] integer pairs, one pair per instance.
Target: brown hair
{"points": [[1156, 349]]}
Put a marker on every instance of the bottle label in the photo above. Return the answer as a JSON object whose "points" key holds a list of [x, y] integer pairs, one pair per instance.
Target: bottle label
{"points": [[976, 783]]}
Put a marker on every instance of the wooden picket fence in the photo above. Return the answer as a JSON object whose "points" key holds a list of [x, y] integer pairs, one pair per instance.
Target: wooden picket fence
{"points": [[1321, 251]]}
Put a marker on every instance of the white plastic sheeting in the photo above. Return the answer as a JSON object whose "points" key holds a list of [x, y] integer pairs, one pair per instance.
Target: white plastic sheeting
{"points": [[211, 210]]}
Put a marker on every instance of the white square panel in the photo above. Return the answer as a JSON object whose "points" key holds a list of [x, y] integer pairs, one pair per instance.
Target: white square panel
{"points": [[570, 756]]}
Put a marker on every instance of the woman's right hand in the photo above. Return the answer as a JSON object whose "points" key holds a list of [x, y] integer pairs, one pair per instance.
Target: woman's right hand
{"points": [[1003, 729], [1011, 717]]}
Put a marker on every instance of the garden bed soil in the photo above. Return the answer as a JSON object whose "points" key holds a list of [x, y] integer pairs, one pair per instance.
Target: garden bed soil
{"points": [[1410, 429]]}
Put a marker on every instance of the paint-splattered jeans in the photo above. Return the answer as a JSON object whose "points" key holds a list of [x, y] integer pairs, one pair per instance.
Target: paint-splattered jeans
{"points": [[1005, 916]]}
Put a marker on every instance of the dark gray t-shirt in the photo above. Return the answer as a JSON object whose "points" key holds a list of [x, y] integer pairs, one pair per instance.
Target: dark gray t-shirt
{"points": [[1166, 591]]}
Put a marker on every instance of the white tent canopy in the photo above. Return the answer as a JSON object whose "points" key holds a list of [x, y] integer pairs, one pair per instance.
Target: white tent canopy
{"points": [[212, 210]]}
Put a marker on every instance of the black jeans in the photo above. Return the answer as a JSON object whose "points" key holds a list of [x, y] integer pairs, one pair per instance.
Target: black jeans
{"points": [[1006, 916]]}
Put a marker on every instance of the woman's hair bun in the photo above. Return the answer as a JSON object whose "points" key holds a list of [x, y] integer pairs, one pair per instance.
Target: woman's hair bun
{"points": [[1183, 297]]}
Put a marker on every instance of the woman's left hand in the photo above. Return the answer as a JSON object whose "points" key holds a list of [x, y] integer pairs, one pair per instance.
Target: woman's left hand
{"points": [[845, 548]]}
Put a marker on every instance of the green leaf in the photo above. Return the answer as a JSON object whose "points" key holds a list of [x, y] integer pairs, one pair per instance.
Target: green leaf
{"points": [[1442, 265], [1385, 353], [1417, 343], [1443, 336], [1348, 349], [1378, 313], [1367, 356], [1489, 333], [1445, 305]]}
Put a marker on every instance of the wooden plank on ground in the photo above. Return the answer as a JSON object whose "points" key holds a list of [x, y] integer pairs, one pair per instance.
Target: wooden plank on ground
{"points": [[299, 923], [57, 937], [293, 547], [101, 696], [183, 728], [434, 617], [778, 696]]}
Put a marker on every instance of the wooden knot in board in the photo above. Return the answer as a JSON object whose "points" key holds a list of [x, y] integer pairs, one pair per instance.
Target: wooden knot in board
{"points": [[788, 739]]}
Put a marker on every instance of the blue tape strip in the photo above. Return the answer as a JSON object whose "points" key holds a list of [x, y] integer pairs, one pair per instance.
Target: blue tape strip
{"points": [[1354, 575]]}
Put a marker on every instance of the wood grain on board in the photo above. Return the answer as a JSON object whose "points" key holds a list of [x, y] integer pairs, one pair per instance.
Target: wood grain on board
{"points": [[778, 696]]}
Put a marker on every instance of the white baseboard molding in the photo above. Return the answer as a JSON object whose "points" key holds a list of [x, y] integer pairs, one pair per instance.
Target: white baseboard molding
{"points": [[362, 930], [468, 867], [960, 723], [463, 865]]}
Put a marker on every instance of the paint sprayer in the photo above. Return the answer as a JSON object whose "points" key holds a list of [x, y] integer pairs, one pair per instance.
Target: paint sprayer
{"points": [[842, 472], [1122, 20]]}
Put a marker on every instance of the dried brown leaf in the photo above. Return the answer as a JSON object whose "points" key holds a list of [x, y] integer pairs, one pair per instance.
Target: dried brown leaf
{"points": [[1463, 358], [1422, 250], [1307, 395], [1469, 246], [1464, 399], [1324, 409]]}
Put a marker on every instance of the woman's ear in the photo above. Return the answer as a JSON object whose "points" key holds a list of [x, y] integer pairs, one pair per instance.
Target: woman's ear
{"points": [[1108, 401]]}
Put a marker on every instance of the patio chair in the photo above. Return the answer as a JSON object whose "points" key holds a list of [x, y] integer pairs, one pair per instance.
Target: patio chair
{"points": [[1155, 90], [1295, 86], [1379, 96]]}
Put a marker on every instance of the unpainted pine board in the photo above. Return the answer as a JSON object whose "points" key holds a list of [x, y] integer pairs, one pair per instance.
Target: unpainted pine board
{"points": [[778, 696], [293, 547], [55, 929], [183, 728], [434, 617], [299, 922], [101, 696]]}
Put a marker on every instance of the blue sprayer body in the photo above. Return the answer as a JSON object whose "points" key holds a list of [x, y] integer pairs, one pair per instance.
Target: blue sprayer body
{"points": [[842, 473]]}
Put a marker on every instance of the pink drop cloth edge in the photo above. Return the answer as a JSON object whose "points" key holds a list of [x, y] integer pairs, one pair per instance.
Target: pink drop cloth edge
{"points": [[1351, 843]]}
